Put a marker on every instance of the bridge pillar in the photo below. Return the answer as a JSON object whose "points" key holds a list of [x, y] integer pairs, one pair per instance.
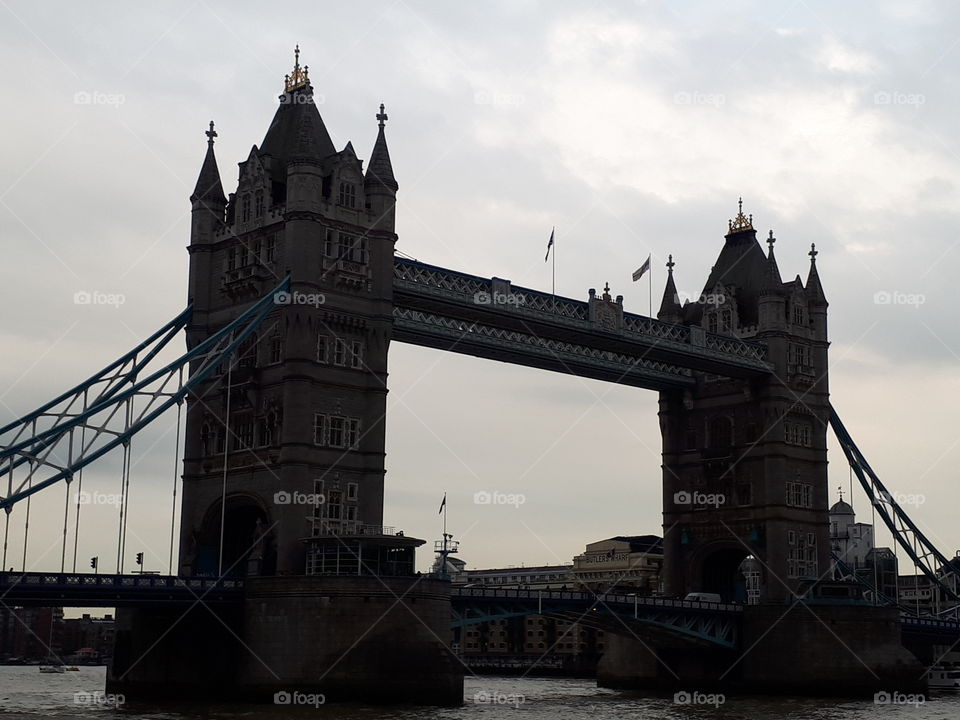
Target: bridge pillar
{"points": [[745, 460]]}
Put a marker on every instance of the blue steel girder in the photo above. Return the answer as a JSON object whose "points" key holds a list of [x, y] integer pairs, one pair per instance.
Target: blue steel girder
{"points": [[521, 348], [65, 435], [495, 304], [925, 555], [704, 623]]}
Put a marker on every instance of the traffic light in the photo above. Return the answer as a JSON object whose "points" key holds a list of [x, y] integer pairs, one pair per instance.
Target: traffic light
{"points": [[140, 559], [93, 562]]}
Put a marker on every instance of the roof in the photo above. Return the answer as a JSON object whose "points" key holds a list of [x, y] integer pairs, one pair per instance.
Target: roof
{"points": [[296, 132], [841, 508], [380, 169], [640, 543], [209, 187], [742, 264]]}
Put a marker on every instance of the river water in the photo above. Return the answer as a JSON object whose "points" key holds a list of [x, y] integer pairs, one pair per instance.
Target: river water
{"points": [[26, 693]]}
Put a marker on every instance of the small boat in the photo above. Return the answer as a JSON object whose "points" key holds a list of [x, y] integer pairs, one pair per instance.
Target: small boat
{"points": [[944, 678], [52, 669], [73, 668]]}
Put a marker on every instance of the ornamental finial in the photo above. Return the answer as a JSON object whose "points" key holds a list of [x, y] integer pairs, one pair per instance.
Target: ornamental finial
{"points": [[741, 222], [770, 241], [813, 252], [606, 291], [211, 134], [670, 264], [299, 77], [382, 116]]}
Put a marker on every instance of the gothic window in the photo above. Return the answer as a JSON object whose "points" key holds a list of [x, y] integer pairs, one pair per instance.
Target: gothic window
{"points": [[276, 350], [335, 432], [232, 259], [257, 250], [206, 437], [348, 195], [353, 433], [356, 354], [322, 350], [243, 432], [799, 355], [357, 249], [744, 494], [712, 322], [351, 512], [726, 320], [247, 353], [245, 208], [330, 247], [351, 491], [721, 432], [797, 433], [333, 501], [320, 429], [340, 352], [797, 314], [258, 204], [271, 249]]}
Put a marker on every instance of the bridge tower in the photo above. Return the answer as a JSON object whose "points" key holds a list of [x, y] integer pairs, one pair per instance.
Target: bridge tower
{"points": [[284, 448], [303, 418], [745, 461]]}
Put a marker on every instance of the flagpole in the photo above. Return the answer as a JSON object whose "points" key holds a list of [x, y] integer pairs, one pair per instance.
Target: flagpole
{"points": [[553, 271], [650, 290]]}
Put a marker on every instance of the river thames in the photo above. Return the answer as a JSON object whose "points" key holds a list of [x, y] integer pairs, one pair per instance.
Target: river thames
{"points": [[26, 693]]}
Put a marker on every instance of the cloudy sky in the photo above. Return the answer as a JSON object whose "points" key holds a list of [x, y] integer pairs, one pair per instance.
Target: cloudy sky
{"points": [[632, 127]]}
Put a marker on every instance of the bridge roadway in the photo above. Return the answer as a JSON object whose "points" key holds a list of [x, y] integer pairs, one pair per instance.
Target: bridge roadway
{"points": [[490, 318], [714, 624]]}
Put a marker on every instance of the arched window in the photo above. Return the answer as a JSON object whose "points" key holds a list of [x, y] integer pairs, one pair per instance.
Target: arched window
{"points": [[721, 432], [258, 204], [206, 440], [245, 208]]}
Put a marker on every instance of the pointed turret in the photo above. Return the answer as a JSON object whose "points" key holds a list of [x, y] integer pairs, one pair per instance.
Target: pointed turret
{"points": [[814, 288], [772, 282], [209, 190], [297, 131], [670, 308], [380, 169]]}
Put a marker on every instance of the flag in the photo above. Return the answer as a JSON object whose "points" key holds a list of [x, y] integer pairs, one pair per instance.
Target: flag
{"points": [[549, 245], [642, 269], [442, 504]]}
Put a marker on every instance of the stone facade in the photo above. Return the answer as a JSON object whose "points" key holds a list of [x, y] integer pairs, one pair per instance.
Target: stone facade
{"points": [[745, 461], [307, 395]]}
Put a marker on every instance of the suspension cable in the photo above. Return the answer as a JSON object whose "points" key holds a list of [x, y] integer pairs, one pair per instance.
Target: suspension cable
{"points": [[83, 450], [176, 472], [226, 449]]}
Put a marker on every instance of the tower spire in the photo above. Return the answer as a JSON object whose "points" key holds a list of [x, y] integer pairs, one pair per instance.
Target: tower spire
{"points": [[670, 308], [299, 77], [814, 288], [380, 169], [209, 189]]}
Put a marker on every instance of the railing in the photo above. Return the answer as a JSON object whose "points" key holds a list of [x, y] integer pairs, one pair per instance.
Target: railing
{"points": [[590, 598], [465, 289], [82, 580]]}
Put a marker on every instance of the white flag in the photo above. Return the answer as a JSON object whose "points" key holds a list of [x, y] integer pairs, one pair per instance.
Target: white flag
{"points": [[642, 269]]}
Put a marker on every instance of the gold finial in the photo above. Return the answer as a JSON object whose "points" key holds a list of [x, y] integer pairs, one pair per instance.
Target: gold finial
{"points": [[299, 77], [741, 222], [382, 116], [841, 493]]}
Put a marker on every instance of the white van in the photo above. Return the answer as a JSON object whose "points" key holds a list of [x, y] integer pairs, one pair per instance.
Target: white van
{"points": [[703, 597]]}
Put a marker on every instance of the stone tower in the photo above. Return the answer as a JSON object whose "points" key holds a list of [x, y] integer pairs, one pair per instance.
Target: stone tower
{"points": [[300, 413], [745, 461]]}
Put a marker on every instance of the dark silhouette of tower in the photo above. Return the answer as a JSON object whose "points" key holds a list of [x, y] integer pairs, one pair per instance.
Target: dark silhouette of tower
{"points": [[745, 461]]}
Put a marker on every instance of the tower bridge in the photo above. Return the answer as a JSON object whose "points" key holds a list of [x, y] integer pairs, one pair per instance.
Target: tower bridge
{"points": [[295, 293]]}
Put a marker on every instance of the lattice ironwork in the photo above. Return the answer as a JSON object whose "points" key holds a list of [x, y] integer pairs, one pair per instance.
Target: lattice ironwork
{"points": [[467, 334]]}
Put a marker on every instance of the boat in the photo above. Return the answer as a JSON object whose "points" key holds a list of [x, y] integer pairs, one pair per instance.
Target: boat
{"points": [[52, 669], [73, 668], [944, 678]]}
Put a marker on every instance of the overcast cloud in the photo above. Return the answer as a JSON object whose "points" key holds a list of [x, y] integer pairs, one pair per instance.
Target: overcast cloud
{"points": [[632, 127]]}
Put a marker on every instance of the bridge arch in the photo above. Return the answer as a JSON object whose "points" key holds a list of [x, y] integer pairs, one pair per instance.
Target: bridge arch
{"points": [[719, 568], [248, 547]]}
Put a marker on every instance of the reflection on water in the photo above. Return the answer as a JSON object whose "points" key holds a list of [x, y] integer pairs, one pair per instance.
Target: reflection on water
{"points": [[25, 693]]}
